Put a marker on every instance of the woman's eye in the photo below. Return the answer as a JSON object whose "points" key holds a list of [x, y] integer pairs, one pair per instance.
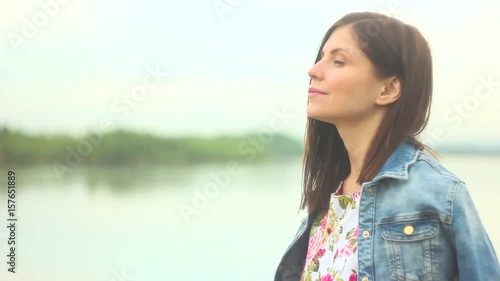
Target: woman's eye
{"points": [[339, 62]]}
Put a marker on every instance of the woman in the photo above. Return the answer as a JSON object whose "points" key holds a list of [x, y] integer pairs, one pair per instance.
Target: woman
{"points": [[379, 207]]}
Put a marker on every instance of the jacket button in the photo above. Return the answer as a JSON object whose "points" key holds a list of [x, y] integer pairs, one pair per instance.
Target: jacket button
{"points": [[408, 230], [366, 234], [364, 279]]}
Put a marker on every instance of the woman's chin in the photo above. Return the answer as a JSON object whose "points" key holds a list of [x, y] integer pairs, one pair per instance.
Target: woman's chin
{"points": [[320, 116], [316, 112]]}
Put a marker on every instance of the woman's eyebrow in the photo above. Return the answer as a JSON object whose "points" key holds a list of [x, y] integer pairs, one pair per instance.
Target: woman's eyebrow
{"points": [[336, 50]]}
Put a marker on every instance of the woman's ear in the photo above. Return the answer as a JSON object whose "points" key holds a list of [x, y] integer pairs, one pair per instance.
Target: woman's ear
{"points": [[391, 91]]}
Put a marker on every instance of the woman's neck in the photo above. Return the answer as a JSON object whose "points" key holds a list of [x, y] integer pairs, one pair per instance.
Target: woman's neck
{"points": [[357, 139]]}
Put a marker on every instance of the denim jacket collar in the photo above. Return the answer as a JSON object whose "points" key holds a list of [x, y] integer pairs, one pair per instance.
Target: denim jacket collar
{"points": [[397, 164]]}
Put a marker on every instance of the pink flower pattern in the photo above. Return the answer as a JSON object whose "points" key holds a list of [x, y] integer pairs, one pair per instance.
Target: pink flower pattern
{"points": [[354, 276], [332, 254], [327, 277], [315, 243]]}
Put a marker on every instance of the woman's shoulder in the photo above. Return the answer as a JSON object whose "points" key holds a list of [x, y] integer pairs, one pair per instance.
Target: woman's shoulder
{"points": [[431, 168]]}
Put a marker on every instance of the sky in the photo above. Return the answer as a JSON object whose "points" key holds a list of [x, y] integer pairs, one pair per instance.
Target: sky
{"points": [[221, 67]]}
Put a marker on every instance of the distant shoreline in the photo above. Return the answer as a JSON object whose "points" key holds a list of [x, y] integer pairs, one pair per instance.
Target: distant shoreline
{"points": [[469, 149], [129, 148]]}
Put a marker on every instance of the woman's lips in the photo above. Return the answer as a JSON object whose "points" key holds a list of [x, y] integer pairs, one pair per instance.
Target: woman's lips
{"points": [[315, 92]]}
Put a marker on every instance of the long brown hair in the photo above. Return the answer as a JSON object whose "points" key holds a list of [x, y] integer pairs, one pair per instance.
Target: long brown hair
{"points": [[395, 49]]}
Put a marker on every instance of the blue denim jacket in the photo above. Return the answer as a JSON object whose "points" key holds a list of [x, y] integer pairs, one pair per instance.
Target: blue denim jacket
{"points": [[416, 222]]}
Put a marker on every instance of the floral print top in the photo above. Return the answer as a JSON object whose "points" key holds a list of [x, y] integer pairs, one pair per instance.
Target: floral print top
{"points": [[333, 241]]}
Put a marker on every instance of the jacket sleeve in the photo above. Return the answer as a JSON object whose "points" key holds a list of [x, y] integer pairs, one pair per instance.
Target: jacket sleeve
{"points": [[476, 257]]}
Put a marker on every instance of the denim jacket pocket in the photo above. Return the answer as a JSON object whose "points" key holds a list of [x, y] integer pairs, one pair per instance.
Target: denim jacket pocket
{"points": [[411, 246]]}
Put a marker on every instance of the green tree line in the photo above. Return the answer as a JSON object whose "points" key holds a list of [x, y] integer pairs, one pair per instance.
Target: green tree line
{"points": [[128, 148]]}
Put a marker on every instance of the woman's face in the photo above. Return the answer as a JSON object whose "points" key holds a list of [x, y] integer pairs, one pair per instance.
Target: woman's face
{"points": [[346, 80]]}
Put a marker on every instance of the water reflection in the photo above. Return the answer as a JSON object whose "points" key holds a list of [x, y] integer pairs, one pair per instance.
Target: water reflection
{"points": [[109, 218], [115, 179]]}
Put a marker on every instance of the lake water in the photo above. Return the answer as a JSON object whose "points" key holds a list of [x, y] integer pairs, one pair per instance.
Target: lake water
{"points": [[126, 224]]}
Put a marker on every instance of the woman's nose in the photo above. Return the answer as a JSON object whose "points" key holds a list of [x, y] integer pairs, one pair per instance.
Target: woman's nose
{"points": [[314, 72]]}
